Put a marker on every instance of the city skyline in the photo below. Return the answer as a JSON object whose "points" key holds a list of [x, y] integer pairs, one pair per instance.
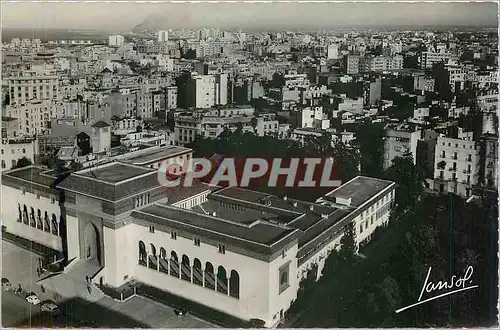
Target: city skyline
{"points": [[125, 16]]}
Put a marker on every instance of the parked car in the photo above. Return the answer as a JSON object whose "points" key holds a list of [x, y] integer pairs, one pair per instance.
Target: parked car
{"points": [[6, 286], [32, 298], [180, 312], [51, 307]]}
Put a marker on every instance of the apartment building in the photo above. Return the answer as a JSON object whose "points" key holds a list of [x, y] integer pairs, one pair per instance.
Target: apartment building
{"points": [[352, 64], [371, 63], [116, 40], [39, 83], [201, 91], [122, 103], [400, 139], [489, 161], [456, 165], [33, 116], [427, 59]]}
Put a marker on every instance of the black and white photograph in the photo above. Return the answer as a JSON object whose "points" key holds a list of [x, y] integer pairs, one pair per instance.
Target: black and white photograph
{"points": [[249, 164]]}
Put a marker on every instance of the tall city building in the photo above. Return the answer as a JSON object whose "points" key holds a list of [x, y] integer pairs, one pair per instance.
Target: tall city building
{"points": [[201, 91], [40, 82], [163, 36], [333, 51], [116, 40], [221, 88]]}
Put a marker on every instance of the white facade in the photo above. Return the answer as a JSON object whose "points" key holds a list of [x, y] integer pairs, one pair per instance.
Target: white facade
{"points": [[116, 40], [203, 89], [333, 51], [456, 166], [163, 36], [399, 141], [38, 83], [193, 246], [15, 149], [33, 117], [221, 88]]}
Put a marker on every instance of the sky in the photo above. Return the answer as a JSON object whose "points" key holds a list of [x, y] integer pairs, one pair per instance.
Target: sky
{"points": [[112, 16]]}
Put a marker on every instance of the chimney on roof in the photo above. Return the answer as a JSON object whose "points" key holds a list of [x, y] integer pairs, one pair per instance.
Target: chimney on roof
{"points": [[295, 204], [214, 214], [311, 207], [285, 198], [324, 215]]}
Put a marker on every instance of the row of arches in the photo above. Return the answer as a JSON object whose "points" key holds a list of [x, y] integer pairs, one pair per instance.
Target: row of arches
{"points": [[192, 272], [37, 219]]}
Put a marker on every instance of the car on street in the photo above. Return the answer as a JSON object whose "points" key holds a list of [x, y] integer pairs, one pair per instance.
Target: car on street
{"points": [[50, 307], [6, 286], [33, 299]]}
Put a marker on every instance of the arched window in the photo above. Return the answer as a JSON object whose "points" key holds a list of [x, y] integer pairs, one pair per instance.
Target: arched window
{"points": [[152, 262], [221, 280], [25, 215], [197, 272], [55, 226], [163, 261], [20, 215], [209, 276], [234, 284], [174, 264], [46, 222], [32, 217], [185, 268], [142, 253], [39, 223]]}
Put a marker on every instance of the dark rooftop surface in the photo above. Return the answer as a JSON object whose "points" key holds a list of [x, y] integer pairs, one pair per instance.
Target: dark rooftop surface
{"points": [[101, 124], [114, 173], [38, 175], [260, 234], [243, 216], [359, 189], [242, 194], [148, 156]]}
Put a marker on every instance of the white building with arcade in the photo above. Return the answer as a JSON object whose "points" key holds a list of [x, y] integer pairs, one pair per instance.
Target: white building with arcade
{"points": [[235, 250]]}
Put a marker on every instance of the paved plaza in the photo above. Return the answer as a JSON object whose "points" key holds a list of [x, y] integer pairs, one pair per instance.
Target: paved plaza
{"points": [[19, 266]]}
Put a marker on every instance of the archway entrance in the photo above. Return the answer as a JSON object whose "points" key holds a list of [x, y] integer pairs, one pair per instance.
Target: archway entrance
{"points": [[91, 250]]}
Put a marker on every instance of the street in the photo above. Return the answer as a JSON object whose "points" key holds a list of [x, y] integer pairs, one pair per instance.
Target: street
{"points": [[19, 267]]}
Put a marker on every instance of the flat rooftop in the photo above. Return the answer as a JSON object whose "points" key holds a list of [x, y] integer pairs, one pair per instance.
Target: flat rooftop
{"points": [[257, 237], [240, 215], [114, 173], [149, 156], [360, 189], [33, 174]]}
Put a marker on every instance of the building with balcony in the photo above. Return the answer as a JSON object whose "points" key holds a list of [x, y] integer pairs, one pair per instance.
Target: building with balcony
{"points": [[456, 166], [400, 139], [38, 83]]}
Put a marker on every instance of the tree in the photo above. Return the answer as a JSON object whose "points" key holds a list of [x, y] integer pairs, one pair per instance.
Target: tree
{"points": [[348, 158], [332, 262], [348, 246], [390, 298], [190, 54], [22, 162], [369, 138], [409, 178]]}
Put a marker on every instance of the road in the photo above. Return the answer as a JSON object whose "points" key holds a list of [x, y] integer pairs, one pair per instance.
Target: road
{"points": [[19, 266]]}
